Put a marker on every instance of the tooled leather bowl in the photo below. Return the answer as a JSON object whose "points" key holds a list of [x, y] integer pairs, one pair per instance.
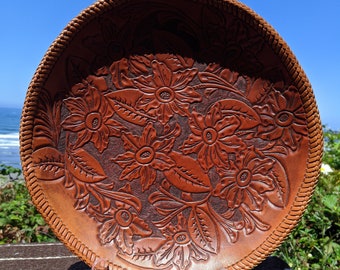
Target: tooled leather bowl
{"points": [[170, 135]]}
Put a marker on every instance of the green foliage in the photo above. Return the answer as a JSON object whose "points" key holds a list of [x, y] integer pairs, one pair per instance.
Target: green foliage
{"points": [[6, 170], [332, 148], [19, 219]]}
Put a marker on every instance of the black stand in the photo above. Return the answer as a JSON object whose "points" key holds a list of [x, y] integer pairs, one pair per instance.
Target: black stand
{"points": [[271, 263]]}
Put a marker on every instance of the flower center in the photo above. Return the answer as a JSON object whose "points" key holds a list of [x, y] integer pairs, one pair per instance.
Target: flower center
{"points": [[243, 178], [181, 238], [210, 135], [93, 120], [284, 118], [123, 218], [145, 155], [165, 94]]}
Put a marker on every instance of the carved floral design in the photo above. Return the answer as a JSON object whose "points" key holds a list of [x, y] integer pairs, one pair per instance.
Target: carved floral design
{"points": [[283, 118], [121, 226], [179, 249], [213, 138], [191, 139], [147, 154], [91, 118], [165, 92], [248, 182]]}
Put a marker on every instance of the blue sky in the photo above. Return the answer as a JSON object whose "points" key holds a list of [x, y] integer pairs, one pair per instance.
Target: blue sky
{"points": [[310, 28]]}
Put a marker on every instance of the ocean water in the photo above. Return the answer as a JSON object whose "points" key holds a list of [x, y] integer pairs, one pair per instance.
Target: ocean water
{"points": [[9, 136]]}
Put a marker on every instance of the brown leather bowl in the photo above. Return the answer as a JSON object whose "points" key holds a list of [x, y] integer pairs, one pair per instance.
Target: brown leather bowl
{"points": [[170, 135]]}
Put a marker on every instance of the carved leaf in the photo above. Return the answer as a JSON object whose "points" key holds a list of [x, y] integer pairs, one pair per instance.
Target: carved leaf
{"points": [[119, 71], [84, 166], [81, 203], [47, 122], [279, 196], [187, 175], [207, 77], [140, 64], [48, 163], [257, 90], [108, 231], [164, 204], [202, 229], [247, 115], [122, 197], [251, 221], [143, 253], [124, 102]]}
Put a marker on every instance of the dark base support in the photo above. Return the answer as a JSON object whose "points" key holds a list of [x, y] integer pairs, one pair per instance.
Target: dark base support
{"points": [[271, 263]]}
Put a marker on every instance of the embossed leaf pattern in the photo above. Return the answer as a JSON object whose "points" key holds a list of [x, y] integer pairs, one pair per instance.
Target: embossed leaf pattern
{"points": [[248, 116], [187, 175], [47, 122], [84, 167], [167, 205], [202, 229], [48, 163], [124, 102], [202, 145]]}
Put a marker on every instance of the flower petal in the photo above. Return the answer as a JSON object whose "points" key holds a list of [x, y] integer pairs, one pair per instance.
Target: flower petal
{"points": [[162, 75], [131, 142], [140, 227], [182, 78], [76, 106], [101, 139], [131, 172], [148, 135], [74, 123], [262, 183], [162, 162], [192, 145], [188, 94], [164, 113], [147, 177], [165, 254], [124, 160], [227, 126], [253, 199], [204, 158], [83, 137], [145, 83], [124, 240]]}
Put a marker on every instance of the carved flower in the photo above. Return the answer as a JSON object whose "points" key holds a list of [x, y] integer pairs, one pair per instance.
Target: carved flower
{"points": [[212, 138], [247, 184], [179, 249], [167, 93], [145, 155], [122, 227], [91, 118], [283, 118]]}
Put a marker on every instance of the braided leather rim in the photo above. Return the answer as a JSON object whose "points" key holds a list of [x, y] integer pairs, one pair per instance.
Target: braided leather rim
{"points": [[279, 47]]}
